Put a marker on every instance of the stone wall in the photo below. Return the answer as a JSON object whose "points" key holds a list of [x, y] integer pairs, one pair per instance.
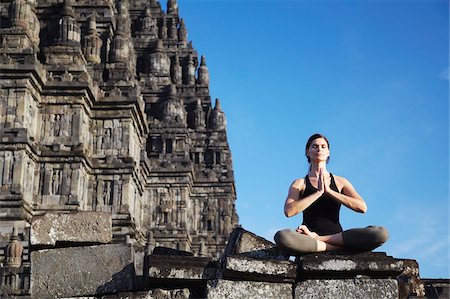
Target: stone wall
{"points": [[88, 266]]}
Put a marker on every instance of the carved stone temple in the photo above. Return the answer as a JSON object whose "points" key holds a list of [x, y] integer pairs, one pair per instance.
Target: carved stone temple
{"points": [[116, 177], [105, 106]]}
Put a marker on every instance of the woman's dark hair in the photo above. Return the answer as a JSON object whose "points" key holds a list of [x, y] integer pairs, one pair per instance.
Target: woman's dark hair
{"points": [[311, 139]]}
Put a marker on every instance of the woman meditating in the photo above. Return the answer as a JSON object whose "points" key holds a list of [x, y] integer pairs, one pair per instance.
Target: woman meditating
{"points": [[319, 195]]}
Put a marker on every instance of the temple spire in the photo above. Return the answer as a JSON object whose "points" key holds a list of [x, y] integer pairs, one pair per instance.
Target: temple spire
{"points": [[69, 31], [172, 7], [163, 28], [203, 73], [176, 70], [217, 119], [182, 33], [92, 42], [189, 71]]}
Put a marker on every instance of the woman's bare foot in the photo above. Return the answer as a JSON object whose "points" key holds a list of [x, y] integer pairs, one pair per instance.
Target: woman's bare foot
{"points": [[303, 229]]}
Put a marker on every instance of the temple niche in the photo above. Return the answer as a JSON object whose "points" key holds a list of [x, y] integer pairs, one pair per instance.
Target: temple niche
{"points": [[105, 107]]}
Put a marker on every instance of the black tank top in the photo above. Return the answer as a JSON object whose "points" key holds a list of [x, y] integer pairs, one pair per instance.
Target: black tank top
{"points": [[322, 216]]}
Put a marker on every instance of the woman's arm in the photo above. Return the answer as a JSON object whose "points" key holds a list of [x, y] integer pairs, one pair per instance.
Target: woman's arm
{"points": [[349, 197], [294, 204]]}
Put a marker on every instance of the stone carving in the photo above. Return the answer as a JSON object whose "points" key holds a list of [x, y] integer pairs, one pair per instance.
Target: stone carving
{"points": [[197, 118], [182, 33], [203, 73], [176, 70], [56, 181], [14, 251], [92, 42], [172, 7], [56, 124], [22, 15], [159, 62], [148, 24], [217, 118], [69, 31], [19, 12], [173, 31], [189, 71], [120, 51], [173, 109], [163, 28]]}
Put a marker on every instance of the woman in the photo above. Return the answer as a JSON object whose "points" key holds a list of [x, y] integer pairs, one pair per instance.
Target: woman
{"points": [[319, 196]]}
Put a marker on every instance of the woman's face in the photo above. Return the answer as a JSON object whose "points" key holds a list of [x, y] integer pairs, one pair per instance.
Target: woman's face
{"points": [[318, 151]]}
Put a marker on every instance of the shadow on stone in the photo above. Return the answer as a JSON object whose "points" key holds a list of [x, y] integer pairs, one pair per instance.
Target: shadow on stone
{"points": [[121, 281]]}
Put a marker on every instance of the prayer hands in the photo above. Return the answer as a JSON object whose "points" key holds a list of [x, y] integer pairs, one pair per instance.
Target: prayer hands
{"points": [[323, 184], [320, 182]]}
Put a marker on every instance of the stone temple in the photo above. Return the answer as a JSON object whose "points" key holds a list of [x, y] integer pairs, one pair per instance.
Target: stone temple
{"points": [[105, 106], [116, 177]]}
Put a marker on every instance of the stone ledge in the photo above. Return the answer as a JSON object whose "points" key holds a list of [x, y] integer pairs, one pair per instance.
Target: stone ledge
{"points": [[347, 288], [437, 288], [220, 289], [182, 267], [335, 265], [245, 268]]}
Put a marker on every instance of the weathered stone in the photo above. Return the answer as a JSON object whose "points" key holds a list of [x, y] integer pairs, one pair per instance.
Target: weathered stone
{"points": [[347, 288], [81, 271], [80, 227], [90, 126], [248, 244], [409, 283], [182, 267], [153, 294], [437, 288], [14, 281], [330, 265], [220, 289], [245, 268]]}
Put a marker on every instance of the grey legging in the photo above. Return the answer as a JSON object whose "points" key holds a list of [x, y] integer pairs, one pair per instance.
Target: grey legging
{"points": [[357, 239]]}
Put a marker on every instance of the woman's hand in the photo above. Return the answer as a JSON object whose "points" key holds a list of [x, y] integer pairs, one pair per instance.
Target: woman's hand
{"points": [[303, 229]]}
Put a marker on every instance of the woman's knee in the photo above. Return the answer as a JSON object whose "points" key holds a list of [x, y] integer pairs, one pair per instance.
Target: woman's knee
{"points": [[295, 243], [282, 237], [365, 239], [380, 234]]}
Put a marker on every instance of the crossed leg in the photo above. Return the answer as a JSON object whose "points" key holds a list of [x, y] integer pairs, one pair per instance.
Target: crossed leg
{"points": [[332, 242], [304, 241]]}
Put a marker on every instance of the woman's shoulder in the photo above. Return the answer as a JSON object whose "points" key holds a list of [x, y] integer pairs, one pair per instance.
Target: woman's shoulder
{"points": [[298, 183]]}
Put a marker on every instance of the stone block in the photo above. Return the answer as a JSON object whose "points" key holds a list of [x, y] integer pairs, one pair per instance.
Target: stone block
{"points": [[245, 268], [347, 288], [335, 265], [219, 289], [437, 288], [153, 294], [243, 242], [182, 267], [409, 283], [79, 227], [81, 271]]}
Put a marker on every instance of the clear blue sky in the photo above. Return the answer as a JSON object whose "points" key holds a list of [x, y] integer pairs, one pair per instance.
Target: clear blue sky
{"points": [[372, 76]]}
